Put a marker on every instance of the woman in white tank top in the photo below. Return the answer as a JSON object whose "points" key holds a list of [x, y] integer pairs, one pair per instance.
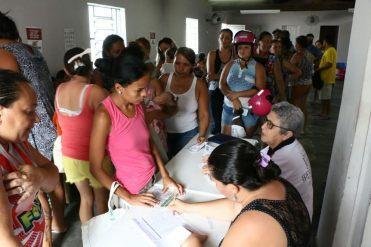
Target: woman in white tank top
{"points": [[192, 116]]}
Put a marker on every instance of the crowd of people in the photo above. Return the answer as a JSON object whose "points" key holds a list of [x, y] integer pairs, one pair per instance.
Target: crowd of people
{"points": [[124, 119]]}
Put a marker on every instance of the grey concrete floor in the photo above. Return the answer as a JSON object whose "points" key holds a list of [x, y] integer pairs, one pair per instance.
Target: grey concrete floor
{"points": [[317, 141]]}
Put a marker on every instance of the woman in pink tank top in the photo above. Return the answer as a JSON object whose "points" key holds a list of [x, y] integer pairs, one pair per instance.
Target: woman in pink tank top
{"points": [[120, 129], [75, 103]]}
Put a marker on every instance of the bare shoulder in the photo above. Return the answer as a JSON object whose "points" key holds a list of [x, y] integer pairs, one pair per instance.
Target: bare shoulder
{"points": [[101, 115], [251, 228]]}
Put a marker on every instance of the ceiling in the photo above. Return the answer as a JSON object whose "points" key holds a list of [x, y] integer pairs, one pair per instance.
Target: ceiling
{"points": [[283, 5]]}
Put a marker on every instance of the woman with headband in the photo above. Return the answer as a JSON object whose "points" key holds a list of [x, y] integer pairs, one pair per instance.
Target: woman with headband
{"points": [[75, 103], [264, 209], [240, 80]]}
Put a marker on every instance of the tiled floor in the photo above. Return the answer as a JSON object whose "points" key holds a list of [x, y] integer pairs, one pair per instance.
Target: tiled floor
{"points": [[317, 141]]}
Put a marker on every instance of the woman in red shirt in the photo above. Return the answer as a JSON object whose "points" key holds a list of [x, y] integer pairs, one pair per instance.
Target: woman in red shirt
{"points": [[23, 170]]}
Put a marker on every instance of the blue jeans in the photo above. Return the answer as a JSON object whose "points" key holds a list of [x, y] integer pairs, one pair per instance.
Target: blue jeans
{"points": [[176, 141], [227, 116], [216, 105]]}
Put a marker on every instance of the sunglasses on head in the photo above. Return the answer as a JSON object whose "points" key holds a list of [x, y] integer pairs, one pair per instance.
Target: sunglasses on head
{"points": [[270, 124]]}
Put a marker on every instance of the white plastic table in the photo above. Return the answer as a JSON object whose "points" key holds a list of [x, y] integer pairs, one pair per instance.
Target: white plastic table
{"points": [[186, 169]]}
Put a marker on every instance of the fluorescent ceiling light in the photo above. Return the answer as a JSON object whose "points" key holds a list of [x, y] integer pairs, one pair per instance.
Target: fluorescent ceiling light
{"points": [[259, 11]]}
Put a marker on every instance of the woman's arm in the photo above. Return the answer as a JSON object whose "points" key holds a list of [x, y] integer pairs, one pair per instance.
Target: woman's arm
{"points": [[203, 110], [210, 66], [277, 70], [47, 171], [223, 79], [163, 81], [157, 87], [294, 70], [222, 209], [6, 227], [167, 180], [29, 179], [98, 138]]}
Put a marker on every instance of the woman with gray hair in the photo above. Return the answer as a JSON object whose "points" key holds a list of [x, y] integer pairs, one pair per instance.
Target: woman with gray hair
{"points": [[279, 131]]}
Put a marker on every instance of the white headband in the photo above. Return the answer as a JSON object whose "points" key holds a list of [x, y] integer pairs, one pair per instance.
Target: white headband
{"points": [[87, 51]]}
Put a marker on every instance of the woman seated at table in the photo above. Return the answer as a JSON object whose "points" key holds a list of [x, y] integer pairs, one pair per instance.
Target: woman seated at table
{"points": [[119, 127], [23, 170], [193, 113], [257, 201]]}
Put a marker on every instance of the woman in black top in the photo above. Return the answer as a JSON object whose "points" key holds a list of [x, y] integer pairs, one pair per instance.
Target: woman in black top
{"points": [[215, 64], [265, 210], [272, 65]]}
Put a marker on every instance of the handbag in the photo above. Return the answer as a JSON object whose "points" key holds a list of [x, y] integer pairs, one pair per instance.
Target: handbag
{"points": [[317, 81]]}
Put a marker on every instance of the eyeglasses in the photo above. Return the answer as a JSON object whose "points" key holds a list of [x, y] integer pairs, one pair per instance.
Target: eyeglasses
{"points": [[270, 124]]}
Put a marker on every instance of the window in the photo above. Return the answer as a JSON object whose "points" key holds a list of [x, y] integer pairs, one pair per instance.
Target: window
{"points": [[103, 21], [192, 34], [234, 27]]}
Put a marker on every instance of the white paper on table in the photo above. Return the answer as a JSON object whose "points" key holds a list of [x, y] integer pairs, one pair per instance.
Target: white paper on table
{"points": [[160, 226]]}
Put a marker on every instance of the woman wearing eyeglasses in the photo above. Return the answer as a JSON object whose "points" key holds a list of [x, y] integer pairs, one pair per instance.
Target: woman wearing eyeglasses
{"points": [[279, 131], [264, 209]]}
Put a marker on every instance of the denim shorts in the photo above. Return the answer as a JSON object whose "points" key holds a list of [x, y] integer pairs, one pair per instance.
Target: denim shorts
{"points": [[227, 116]]}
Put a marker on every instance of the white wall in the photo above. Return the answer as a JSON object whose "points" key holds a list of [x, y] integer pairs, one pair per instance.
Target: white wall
{"points": [[269, 22], [176, 12], [55, 15], [164, 17], [347, 194]]}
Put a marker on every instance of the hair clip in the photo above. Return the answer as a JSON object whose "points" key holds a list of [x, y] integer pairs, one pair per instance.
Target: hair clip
{"points": [[87, 51], [264, 160], [78, 64]]}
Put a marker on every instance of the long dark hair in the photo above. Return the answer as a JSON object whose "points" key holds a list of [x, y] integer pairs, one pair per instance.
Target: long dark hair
{"points": [[238, 162], [161, 54], [108, 42]]}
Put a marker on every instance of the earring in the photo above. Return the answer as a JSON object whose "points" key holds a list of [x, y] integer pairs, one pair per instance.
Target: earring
{"points": [[234, 200]]}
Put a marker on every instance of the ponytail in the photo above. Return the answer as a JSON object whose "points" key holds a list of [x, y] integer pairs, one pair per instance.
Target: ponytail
{"points": [[77, 62], [240, 163]]}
